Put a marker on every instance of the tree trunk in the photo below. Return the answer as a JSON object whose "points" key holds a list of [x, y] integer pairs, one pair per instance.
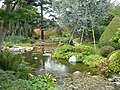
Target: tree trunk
{"points": [[2, 35], [3, 32], [42, 31]]}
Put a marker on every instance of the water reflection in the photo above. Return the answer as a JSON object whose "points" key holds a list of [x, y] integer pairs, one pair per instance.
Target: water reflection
{"points": [[54, 66]]}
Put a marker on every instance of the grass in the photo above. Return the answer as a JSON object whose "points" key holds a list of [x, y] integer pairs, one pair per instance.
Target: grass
{"points": [[11, 44]]}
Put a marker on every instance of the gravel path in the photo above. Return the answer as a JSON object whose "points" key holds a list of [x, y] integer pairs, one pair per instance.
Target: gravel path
{"points": [[84, 82]]}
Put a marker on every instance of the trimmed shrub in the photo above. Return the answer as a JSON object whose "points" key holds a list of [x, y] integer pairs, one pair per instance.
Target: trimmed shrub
{"points": [[114, 61], [116, 39], [93, 60], [106, 50], [110, 32]]}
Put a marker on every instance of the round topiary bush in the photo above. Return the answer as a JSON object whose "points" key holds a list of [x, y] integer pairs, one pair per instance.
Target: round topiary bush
{"points": [[114, 61], [106, 50]]}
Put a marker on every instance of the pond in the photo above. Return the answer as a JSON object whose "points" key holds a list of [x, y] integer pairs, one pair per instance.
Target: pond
{"points": [[49, 65]]}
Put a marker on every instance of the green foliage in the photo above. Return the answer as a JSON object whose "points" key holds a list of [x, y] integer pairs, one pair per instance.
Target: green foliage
{"points": [[99, 30], [15, 62], [66, 51], [114, 61], [26, 12], [42, 82], [22, 12], [11, 44], [93, 60], [66, 41], [8, 44], [84, 48], [106, 50], [75, 15], [82, 51], [115, 10], [116, 39], [16, 39], [31, 41], [63, 52], [8, 81], [110, 32], [6, 16], [77, 40], [80, 57]]}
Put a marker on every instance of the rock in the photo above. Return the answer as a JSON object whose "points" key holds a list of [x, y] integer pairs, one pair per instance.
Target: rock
{"points": [[29, 48], [76, 73], [17, 49], [88, 73], [116, 78], [35, 58], [72, 59], [111, 79], [118, 83], [95, 77], [109, 88], [47, 54]]}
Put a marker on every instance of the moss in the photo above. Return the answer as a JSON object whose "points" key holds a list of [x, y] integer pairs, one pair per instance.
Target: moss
{"points": [[114, 61], [110, 32]]}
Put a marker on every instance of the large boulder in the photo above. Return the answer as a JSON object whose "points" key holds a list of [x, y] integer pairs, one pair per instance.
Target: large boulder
{"points": [[72, 59]]}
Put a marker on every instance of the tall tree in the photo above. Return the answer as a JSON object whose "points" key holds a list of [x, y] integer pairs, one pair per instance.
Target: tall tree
{"points": [[44, 7], [81, 15], [13, 10]]}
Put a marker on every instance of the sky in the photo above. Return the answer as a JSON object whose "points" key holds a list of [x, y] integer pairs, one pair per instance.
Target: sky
{"points": [[116, 1]]}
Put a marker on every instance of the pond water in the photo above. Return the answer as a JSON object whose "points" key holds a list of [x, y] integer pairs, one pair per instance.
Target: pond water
{"points": [[49, 65]]}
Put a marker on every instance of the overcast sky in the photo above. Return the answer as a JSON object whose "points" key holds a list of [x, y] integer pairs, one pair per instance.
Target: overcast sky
{"points": [[117, 1]]}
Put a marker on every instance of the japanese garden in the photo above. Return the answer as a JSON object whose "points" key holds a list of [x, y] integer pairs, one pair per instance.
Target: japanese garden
{"points": [[59, 45]]}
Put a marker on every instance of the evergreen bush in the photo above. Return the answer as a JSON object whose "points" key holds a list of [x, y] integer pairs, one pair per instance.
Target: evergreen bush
{"points": [[106, 50], [109, 33], [114, 61]]}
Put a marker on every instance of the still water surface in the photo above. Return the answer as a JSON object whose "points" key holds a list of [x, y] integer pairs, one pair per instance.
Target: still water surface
{"points": [[57, 67]]}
